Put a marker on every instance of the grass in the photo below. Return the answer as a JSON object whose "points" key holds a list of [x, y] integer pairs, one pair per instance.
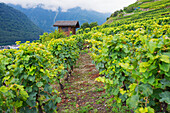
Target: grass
{"points": [[83, 94]]}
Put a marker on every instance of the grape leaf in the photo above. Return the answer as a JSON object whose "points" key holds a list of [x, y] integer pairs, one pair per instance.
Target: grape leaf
{"points": [[165, 96]]}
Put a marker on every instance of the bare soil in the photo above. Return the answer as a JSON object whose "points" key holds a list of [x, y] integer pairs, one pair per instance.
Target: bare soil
{"points": [[82, 93]]}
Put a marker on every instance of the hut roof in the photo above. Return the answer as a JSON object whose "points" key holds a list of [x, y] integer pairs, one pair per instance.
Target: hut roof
{"points": [[67, 23]]}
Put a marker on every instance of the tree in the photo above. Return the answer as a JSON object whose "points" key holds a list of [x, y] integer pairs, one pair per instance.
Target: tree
{"points": [[93, 24], [85, 25], [115, 14]]}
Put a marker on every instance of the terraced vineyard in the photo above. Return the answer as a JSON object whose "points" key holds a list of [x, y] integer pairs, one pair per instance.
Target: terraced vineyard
{"points": [[128, 69]]}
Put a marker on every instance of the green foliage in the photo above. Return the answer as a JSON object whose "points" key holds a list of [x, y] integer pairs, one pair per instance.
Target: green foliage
{"points": [[165, 97], [93, 24], [139, 17], [132, 54], [32, 67], [115, 14], [27, 74], [48, 36], [156, 4], [16, 26], [87, 25], [65, 51], [143, 1], [135, 59], [129, 9], [151, 4], [12, 97], [154, 8]]}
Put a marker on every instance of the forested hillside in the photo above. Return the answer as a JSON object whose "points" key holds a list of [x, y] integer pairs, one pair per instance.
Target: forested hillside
{"points": [[46, 18], [15, 26]]}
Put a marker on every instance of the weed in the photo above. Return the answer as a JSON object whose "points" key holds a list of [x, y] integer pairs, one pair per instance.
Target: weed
{"points": [[98, 102], [95, 110], [99, 90], [82, 97], [78, 65], [93, 97], [90, 73]]}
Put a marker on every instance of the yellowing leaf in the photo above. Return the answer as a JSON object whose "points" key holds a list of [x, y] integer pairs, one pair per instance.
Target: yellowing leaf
{"points": [[152, 46], [18, 42], [118, 100], [143, 110], [165, 58], [143, 66], [132, 86], [18, 104], [100, 79], [41, 70], [122, 91], [124, 65], [150, 110], [3, 89], [108, 81], [24, 94], [6, 78]]}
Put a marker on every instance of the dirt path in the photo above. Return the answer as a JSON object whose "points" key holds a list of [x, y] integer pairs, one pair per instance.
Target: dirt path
{"points": [[83, 94]]}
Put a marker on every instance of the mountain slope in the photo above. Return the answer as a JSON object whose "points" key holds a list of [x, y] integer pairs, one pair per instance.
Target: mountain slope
{"points": [[15, 26], [142, 9], [46, 18]]}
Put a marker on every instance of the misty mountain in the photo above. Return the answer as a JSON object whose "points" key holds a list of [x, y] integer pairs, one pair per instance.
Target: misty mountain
{"points": [[16, 26], [46, 18]]}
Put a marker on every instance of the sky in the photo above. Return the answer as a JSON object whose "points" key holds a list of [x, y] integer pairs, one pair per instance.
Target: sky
{"points": [[104, 6]]}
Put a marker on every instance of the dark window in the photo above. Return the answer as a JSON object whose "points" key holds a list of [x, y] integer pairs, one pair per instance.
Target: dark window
{"points": [[65, 29]]}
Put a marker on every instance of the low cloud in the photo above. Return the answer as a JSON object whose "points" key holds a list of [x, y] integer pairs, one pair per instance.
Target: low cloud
{"points": [[97, 5]]}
